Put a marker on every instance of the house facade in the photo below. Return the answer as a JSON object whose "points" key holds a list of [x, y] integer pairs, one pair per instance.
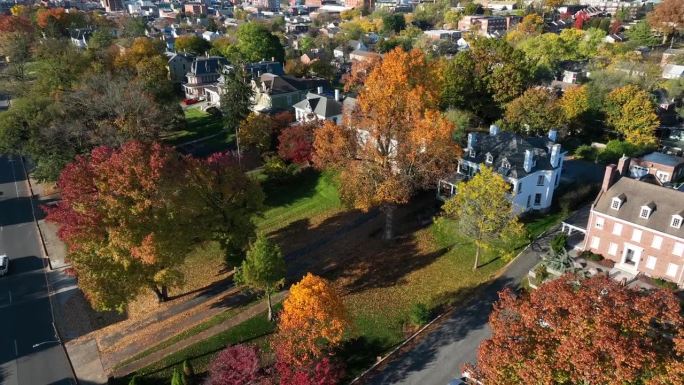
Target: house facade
{"points": [[638, 225], [666, 168], [204, 72], [278, 93], [532, 166], [178, 66]]}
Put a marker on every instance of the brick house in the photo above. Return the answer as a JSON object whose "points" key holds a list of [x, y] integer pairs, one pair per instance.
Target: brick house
{"points": [[638, 225], [666, 168]]}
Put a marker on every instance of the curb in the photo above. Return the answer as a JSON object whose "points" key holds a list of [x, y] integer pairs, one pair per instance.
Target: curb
{"points": [[447, 311], [46, 255]]}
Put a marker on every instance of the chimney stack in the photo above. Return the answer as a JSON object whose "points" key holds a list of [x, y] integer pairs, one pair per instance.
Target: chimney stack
{"points": [[472, 140], [319, 90], [609, 177], [493, 130], [529, 161], [555, 155], [553, 135], [623, 165], [337, 95]]}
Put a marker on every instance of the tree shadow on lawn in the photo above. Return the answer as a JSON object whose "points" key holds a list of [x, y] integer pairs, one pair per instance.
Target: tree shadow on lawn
{"points": [[466, 317], [284, 192]]}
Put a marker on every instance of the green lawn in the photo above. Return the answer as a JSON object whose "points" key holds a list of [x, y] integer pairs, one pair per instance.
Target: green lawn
{"points": [[200, 354], [198, 125], [308, 194]]}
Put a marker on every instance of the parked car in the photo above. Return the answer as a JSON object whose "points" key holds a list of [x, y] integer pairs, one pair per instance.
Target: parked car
{"points": [[4, 264], [188, 102]]}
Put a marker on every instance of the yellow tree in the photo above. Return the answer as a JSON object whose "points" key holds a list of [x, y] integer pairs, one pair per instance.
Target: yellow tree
{"points": [[397, 142], [631, 112], [313, 321], [575, 106], [483, 212]]}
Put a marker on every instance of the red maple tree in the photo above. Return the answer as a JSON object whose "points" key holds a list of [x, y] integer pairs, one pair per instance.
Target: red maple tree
{"points": [[295, 143], [323, 372], [573, 331], [238, 365]]}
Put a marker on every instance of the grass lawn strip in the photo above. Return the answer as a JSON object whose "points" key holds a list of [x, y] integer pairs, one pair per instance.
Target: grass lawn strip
{"points": [[198, 125]]}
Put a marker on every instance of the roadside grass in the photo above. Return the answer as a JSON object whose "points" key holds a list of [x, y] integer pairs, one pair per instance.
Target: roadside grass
{"points": [[307, 195], [198, 125], [254, 330]]}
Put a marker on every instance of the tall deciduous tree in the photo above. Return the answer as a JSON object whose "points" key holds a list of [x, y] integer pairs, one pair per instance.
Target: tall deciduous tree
{"points": [[483, 212], [263, 269], [295, 143], [503, 68], [535, 112], [575, 105], [255, 42], [124, 218], [631, 112], [256, 131], [192, 44], [323, 372], [399, 141], [313, 321], [229, 200], [668, 17], [581, 331]]}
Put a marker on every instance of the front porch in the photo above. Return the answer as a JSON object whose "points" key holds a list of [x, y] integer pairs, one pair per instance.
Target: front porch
{"points": [[447, 188]]}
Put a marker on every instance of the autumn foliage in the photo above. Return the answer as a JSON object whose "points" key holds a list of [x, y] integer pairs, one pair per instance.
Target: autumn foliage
{"points": [[574, 331], [313, 321], [323, 372], [238, 365], [295, 143]]}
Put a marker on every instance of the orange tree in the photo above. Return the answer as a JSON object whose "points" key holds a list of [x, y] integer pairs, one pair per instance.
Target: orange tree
{"points": [[397, 142], [580, 331], [313, 321]]}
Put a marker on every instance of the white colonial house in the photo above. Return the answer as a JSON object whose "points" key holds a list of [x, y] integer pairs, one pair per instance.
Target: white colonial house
{"points": [[319, 106], [532, 166]]}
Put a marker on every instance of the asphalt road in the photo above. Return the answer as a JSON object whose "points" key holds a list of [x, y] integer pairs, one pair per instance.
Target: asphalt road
{"points": [[25, 315], [441, 351]]}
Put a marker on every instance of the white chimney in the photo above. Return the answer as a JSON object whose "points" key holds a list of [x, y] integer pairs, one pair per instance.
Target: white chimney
{"points": [[472, 140], [529, 161], [555, 155], [319, 90], [493, 130], [337, 95], [553, 135]]}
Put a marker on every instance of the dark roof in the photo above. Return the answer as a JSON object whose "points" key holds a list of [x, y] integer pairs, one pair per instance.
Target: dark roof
{"points": [[667, 201], [664, 159], [207, 65], [512, 147], [321, 105], [275, 84]]}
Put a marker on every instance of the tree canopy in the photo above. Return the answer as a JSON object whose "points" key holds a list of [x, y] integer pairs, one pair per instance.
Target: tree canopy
{"points": [[263, 269], [255, 42], [631, 112]]}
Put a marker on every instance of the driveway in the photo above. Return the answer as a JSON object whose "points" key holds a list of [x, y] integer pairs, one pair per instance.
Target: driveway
{"points": [[441, 351]]}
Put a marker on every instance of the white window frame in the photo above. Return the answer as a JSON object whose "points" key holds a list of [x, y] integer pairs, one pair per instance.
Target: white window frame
{"points": [[651, 262], [678, 249], [617, 228], [616, 203], [672, 270], [540, 180], [645, 212], [636, 235], [676, 221], [505, 163], [471, 152], [657, 242], [489, 158], [540, 199], [663, 176], [613, 248], [595, 242], [600, 221]]}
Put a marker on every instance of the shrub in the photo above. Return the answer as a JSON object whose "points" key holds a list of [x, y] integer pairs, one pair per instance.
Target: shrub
{"points": [[558, 243], [278, 171], [177, 378], [572, 197], [665, 284], [188, 373], [419, 314], [586, 152], [588, 255], [616, 148]]}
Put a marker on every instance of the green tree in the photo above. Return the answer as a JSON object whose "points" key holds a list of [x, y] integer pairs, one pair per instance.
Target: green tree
{"points": [[188, 373], [483, 212], [534, 112], [255, 42], [133, 27], [393, 22], [192, 44], [503, 68], [631, 112], [641, 34], [237, 99], [263, 269], [177, 378]]}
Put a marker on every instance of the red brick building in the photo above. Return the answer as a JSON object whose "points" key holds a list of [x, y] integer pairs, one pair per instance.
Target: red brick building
{"points": [[638, 225]]}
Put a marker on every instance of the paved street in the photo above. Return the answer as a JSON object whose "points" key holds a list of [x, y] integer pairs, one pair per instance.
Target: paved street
{"points": [[25, 316], [446, 346]]}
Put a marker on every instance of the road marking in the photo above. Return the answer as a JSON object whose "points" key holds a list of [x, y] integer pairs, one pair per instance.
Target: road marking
{"points": [[16, 349], [14, 177]]}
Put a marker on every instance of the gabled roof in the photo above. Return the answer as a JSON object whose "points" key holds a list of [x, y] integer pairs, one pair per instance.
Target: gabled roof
{"points": [[275, 84], [207, 65], [512, 147], [668, 202], [320, 105]]}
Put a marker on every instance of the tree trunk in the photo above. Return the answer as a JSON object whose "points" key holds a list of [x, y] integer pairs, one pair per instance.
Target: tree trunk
{"points": [[162, 293], [477, 257], [270, 306], [389, 222]]}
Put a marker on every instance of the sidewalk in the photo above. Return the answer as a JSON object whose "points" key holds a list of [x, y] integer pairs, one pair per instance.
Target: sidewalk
{"points": [[256, 309]]}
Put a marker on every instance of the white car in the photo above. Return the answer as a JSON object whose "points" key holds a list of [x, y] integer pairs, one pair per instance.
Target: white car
{"points": [[4, 264]]}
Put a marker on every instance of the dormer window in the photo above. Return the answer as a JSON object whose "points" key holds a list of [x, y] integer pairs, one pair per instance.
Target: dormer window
{"points": [[676, 221], [617, 202], [646, 210], [505, 163], [490, 158], [471, 152]]}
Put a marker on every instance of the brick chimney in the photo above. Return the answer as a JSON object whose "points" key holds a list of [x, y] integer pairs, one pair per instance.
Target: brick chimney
{"points": [[609, 177], [623, 165]]}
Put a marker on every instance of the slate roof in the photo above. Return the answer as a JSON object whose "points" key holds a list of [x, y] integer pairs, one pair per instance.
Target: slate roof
{"points": [[667, 201], [207, 65], [512, 147], [320, 105], [275, 84]]}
